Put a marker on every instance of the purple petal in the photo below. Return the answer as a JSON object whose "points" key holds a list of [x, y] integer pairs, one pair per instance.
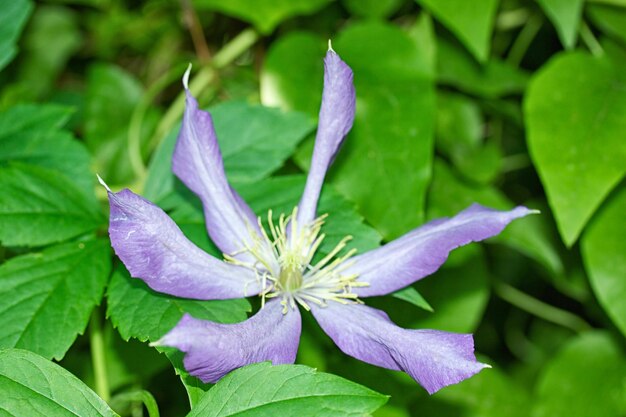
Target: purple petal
{"points": [[433, 358], [197, 161], [154, 249], [422, 251], [335, 121], [214, 349]]}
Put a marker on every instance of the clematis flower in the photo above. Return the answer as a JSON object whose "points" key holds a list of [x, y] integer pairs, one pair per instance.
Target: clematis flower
{"points": [[278, 265]]}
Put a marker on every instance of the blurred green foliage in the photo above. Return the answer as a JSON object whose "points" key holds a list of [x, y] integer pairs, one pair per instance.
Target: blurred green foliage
{"points": [[500, 102]]}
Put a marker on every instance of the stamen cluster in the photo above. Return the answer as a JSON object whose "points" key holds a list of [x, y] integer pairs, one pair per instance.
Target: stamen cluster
{"points": [[283, 262]]}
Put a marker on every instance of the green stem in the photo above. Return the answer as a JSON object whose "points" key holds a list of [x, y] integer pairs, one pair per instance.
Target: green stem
{"points": [[540, 309], [98, 357], [136, 121], [590, 40], [524, 39], [138, 396], [203, 78]]}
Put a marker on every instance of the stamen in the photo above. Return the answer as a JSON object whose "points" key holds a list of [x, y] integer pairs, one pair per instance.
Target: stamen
{"points": [[282, 261]]}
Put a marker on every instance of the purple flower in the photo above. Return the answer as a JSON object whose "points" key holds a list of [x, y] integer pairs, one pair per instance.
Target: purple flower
{"points": [[277, 263]]}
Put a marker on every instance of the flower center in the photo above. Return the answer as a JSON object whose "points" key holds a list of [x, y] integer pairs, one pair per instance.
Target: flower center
{"points": [[283, 264], [290, 278]]}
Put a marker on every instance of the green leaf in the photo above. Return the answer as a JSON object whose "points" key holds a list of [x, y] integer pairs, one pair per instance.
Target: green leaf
{"points": [[34, 134], [472, 22], [621, 3], [412, 296], [258, 147], [262, 389], [139, 312], [265, 15], [39, 206], [53, 36], [604, 253], [111, 97], [586, 378], [33, 386], [459, 136], [565, 15], [372, 8], [611, 20], [47, 298], [495, 78], [574, 111], [387, 178], [12, 20], [458, 293], [293, 61], [251, 150]]}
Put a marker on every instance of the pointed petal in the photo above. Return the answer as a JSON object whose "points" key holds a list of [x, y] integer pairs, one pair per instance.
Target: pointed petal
{"points": [[335, 121], [422, 251], [213, 349], [197, 161], [154, 249], [433, 358]]}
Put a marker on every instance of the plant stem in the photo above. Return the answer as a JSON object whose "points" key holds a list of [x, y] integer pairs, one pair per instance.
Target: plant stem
{"points": [[203, 78], [135, 396], [524, 39], [136, 121], [540, 309], [590, 40], [98, 357]]}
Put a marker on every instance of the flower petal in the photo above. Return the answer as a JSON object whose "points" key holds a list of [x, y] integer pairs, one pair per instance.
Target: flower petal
{"points": [[433, 358], [335, 121], [422, 251], [197, 161], [154, 249], [214, 349]]}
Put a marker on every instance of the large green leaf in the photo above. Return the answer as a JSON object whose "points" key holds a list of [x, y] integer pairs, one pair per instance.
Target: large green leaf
{"points": [[286, 390], [372, 8], [264, 14], [12, 19], [460, 137], [139, 312], [471, 21], [604, 253], [495, 78], [386, 161], [565, 15], [611, 20], [585, 379], [294, 61], [34, 134], [574, 111], [47, 298], [35, 387], [39, 206], [251, 150]]}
